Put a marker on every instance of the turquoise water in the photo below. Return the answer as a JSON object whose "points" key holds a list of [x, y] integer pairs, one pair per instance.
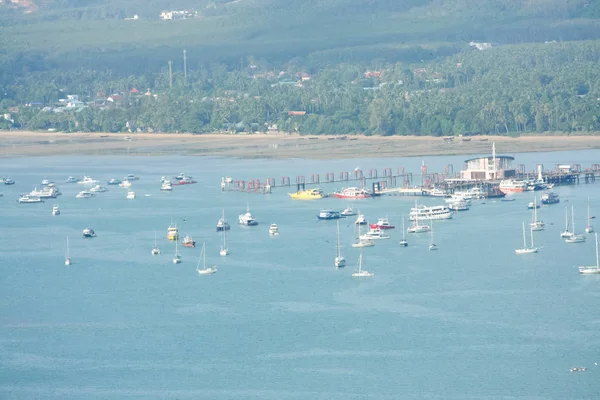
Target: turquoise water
{"points": [[278, 321]]}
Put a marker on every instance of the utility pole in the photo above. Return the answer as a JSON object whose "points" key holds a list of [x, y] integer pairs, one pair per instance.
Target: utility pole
{"points": [[170, 75], [184, 66]]}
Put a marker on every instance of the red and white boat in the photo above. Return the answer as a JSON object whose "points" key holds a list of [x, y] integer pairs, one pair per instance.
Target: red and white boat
{"points": [[189, 242], [382, 223], [512, 186], [353, 193], [185, 181]]}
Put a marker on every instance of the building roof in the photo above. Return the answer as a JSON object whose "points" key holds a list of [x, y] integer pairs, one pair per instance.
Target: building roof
{"points": [[478, 158]]}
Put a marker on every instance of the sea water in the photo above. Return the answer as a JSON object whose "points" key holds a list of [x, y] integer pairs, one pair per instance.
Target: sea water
{"points": [[472, 320]]}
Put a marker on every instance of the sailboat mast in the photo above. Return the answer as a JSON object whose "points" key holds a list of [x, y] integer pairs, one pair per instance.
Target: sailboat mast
{"points": [[531, 232], [338, 238], [573, 218], [403, 231], [524, 241], [204, 255], [67, 247], [597, 261]]}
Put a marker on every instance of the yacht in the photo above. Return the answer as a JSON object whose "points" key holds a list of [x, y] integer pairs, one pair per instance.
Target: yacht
{"points": [[310, 194], [131, 177], [460, 198], [172, 232], [9, 181], [27, 198], [71, 179], [340, 260], [353, 193], [84, 194], [155, 250], [55, 210], [125, 184], [205, 270], [525, 249], [348, 212], [403, 242], [88, 181], [360, 220], [45, 182], [329, 214], [550, 198], [422, 212], [224, 249], [67, 255], [222, 224], [589, 228], [186, 180], [531, 205], [176, 256], [536, 225], [595, 269], [188, 241], [458, 205], [382, 223], [48, 192], [437, 192], [374, 234], [566, 233], [361, 273], [432, 245], [166, 186], [273, 229], [574, 237], [416, 228], [89, 233], [130, 195], [113, 181], [362, 242], [98, 189], [247, 218]]}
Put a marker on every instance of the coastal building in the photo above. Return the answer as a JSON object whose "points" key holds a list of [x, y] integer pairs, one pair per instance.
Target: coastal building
{"points": [[489, 168]]}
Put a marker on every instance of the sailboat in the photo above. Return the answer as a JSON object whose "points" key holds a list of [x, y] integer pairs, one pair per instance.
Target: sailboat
{"points": [[574, 237], [525, 249], [204, 270], [594, 269], [177, 256], [361, 241], [403, 242], [589, 228], [535, 224], [361, 272], [155, 249], [566, 233], [432, 245], [224, 250], [67, 256], [340, 261], [416, 228]]}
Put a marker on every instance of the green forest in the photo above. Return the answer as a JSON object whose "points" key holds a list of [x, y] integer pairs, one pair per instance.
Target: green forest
{"points": [[375, 67]]}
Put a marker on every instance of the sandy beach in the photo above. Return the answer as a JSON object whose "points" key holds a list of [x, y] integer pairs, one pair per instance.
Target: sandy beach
{"points": [[278, 146]]}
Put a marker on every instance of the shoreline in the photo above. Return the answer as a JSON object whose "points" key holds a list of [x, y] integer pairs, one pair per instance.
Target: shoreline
{"points": [[276, 145]]}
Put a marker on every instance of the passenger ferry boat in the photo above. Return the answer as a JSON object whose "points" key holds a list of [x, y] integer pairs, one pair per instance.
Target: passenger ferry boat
{"points": [[353, 193], [512, 186], [48, 192], [310, 194], [188, 242], [422, 212], [329, 214], [459, 205], [27, 198], [382, 223], [172, 232], [550, 198]]}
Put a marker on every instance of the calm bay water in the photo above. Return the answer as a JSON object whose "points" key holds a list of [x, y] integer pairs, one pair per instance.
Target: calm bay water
{"points": [[278, 321]]}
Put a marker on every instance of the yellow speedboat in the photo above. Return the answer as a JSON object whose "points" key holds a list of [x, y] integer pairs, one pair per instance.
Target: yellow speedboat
{"points": [[310, 194], [173, 232]]}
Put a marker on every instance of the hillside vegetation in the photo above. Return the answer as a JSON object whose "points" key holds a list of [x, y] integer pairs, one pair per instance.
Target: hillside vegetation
{"points": [[251, 62]]}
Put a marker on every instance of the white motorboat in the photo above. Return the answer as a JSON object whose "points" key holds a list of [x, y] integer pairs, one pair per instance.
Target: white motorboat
{"points": [[125, 184], [98, 189], [422, 212], [594, 269], [247, 218], [589, 228], [361, 273], [205, 270], [340, 261], [85, 194], [130, 195], [88, 181], [71, 179], [348, 212], [55, 210], [574, 237], [273, 229], [45, 181], [536, 225], [525, 249], [27, 198], [89, 233], [360, 220], [166, 186], [113, 181], [176, 256], [155, 250], [67, 255], [131, 177], [374, 234]]}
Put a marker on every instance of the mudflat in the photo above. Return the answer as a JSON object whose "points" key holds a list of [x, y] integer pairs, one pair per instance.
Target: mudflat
{"points": [[276, 145]]}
